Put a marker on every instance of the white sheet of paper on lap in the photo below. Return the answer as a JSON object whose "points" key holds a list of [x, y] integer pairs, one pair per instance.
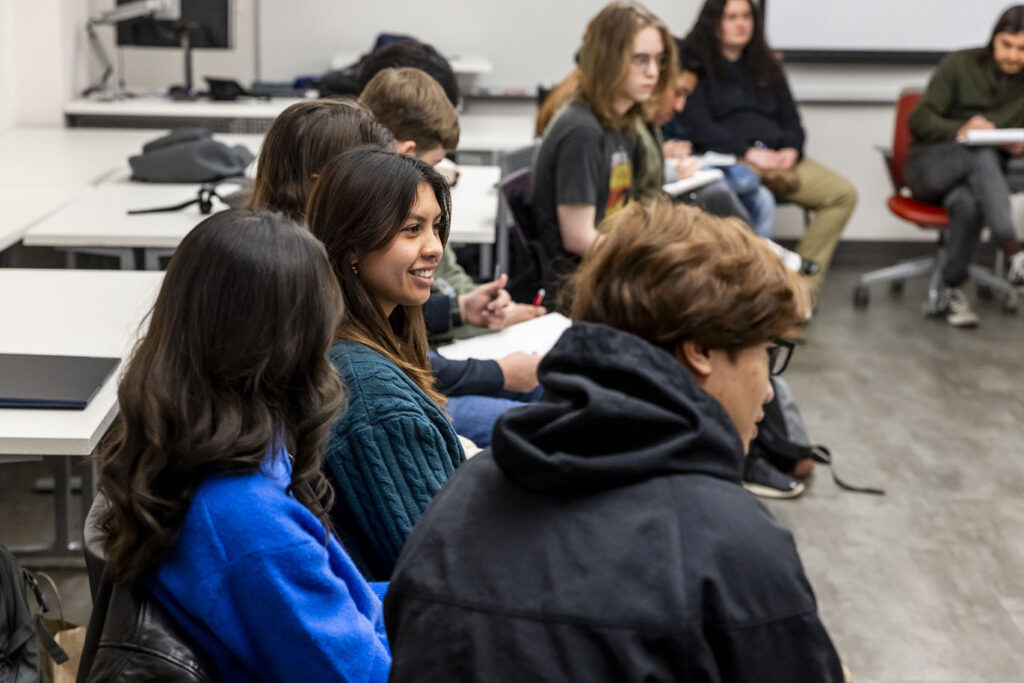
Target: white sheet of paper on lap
{"points": [[999, 136], [697, 180], [533, 336], [717, 159]]}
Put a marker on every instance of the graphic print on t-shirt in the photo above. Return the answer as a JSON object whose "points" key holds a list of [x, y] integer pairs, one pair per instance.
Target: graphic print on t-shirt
{"points": [[620, 182]]}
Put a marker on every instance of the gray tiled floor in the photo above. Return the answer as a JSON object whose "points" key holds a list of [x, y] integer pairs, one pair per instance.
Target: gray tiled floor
{"points": [[927, 583], [924, 585]]}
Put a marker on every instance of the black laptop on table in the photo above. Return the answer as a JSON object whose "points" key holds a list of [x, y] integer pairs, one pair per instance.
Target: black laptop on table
{"points": [[62, 382]]}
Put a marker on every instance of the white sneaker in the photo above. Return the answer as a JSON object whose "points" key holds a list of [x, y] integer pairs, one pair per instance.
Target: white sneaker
{"points": [[954, 306], [1015, 273]]}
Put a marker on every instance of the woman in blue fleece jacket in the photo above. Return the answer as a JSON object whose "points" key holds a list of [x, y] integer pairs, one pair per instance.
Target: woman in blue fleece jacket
{"points": [[384, 218], [217, 499]]}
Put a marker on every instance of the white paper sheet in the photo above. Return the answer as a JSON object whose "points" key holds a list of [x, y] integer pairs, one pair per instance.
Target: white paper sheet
{"points": [[999, 136], [533, 336], [698, 179]]}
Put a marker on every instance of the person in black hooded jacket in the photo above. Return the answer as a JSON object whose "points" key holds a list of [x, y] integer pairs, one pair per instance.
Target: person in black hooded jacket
{"points": [[605, 535]]}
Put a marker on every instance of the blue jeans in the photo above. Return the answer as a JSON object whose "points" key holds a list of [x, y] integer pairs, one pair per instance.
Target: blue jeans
{"points": [[474, 416], [755, 197]]}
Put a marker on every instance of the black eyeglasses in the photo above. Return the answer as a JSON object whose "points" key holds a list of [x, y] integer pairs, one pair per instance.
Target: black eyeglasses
{"points": [[779, 354]]}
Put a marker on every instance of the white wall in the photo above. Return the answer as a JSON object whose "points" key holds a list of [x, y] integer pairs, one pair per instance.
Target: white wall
{"points": [[38, 65], [7, 71], [42, 46], [529, 41]]}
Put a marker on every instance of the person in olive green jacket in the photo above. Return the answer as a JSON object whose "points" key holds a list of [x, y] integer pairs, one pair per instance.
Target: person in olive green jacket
{"points": [[974, 89]]}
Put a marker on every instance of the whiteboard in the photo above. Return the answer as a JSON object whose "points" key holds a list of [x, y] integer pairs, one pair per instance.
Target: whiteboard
{"points": [[895, 26], [528, 42]]}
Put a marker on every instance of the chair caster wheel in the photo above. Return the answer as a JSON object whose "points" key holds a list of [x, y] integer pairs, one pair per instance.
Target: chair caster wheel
{"points": [[861, 296], [896, 287], [985, 292]]}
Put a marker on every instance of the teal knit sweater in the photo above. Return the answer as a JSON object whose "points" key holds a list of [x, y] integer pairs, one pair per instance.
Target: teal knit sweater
{"points": [[387, 456]]}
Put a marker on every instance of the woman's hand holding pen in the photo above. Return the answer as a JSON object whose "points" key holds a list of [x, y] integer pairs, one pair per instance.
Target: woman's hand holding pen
{"points": [[686, 166]]}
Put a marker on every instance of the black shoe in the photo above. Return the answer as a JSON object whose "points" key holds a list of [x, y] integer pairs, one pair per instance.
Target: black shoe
{"points": [[809, 267]]}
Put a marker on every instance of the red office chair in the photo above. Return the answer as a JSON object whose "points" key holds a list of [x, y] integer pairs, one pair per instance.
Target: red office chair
{"points": [[927, 216]]}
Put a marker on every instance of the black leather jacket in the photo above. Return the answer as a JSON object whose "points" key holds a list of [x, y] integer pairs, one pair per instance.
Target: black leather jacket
{"points": [[132, 638]]}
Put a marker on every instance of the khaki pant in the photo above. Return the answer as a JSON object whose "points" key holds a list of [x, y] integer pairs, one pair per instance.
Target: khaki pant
{"points": [[831, 198]]}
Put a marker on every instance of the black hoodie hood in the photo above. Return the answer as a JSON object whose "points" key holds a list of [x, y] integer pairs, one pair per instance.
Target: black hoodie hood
{"points": [[616, 410]]}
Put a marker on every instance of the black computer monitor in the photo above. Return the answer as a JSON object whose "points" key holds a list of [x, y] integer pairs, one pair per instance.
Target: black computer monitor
{"points": [[209, 20]]}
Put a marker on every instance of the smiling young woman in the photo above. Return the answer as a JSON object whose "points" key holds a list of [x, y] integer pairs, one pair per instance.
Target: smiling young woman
{"points": [[383, 218]]}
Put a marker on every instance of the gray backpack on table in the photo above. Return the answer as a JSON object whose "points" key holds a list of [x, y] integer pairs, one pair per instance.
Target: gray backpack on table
{"points": [[189, 155]]}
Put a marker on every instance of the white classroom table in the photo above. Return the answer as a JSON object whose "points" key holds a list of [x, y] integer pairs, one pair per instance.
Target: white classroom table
{"points": [[161, 107], [98, 222], [74, 157], [24, 206], [489, 133], [43, 169], [98, 219], [68, 312], [475, 205]]}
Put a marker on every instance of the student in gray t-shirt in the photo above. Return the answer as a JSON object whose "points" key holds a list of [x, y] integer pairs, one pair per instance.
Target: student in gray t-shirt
{"points": [[584, 168]]}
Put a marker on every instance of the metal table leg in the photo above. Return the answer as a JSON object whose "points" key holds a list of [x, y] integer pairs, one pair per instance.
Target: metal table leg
{"points": [[62, 545], [486, 267]]}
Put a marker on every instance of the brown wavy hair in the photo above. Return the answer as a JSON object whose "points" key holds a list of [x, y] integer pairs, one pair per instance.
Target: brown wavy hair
{"points": [[605, 60], [300, 142], [232, 368], [671, 273], [358, 205]]}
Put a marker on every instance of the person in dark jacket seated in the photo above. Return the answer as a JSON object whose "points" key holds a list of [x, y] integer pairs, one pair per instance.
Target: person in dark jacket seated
{"points": [[213, 473], [743, 106], [605, 535]]}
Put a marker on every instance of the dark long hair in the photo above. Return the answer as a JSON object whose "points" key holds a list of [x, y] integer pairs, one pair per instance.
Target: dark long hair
{"points": [[762, 63], [232, 367], [1010, 21], [359, 205], [300, 142]]}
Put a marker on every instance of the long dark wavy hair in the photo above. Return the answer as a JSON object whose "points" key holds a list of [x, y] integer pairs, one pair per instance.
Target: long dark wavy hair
{"points": [[233, 367], [300, 142], [358, 205], [762, 63], [1010, 21]]}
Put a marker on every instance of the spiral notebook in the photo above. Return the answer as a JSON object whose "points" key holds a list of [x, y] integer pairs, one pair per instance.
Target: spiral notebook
{"points": [[59, 382]]}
